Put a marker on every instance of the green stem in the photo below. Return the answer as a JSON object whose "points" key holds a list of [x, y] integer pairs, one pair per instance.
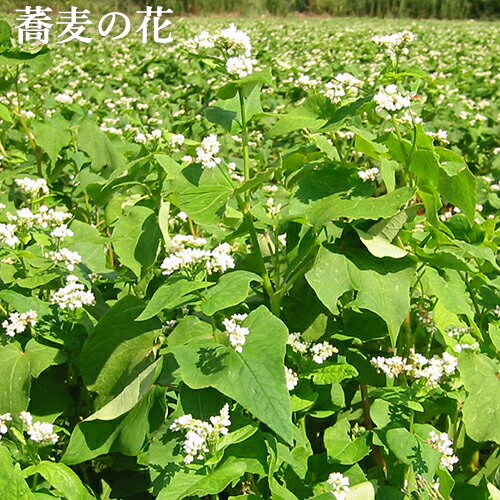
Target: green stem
{"points": [[244, 138], [243, 205]]}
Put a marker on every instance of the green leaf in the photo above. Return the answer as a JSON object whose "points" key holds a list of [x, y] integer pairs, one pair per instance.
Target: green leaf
{"points": [[38, 62], [41, 356], [126, 434], [204, 363], [362, 491], [172, 295], [341, 448], [379, 246], [189, 328], [15, 376], [205, 204], [383, 286], [335, 207], [118, 349], [136, 238], [61, 478], [90, 244], [130, 396], [95, 143], [52, 136], [12, 483], [332, 374], [413, 451], [481, 410], [23, 303], [231, 290], [312, 115]]}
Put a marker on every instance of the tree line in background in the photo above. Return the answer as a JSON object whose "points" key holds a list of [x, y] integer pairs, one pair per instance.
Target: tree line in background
{"points": [[440, 9]]}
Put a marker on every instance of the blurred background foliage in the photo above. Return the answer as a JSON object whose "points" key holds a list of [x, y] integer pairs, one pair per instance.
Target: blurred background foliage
{"points": [[440, 9]]}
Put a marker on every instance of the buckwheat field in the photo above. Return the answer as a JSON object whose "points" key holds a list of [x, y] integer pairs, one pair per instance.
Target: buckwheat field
{"points": [[257, 262]]}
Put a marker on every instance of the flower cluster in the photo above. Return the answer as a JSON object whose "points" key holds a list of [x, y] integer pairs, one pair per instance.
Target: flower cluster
{"points": [[306, 82], [426, 318], [69, 258], [234, 43], [6, 417], [32, 187], [45, 217], [237, 333], [186, 253], [442, 443], [291, 378], [18, 322], [8, 235], [273, 209], [40, 432], [370, 174], [397, 42], [206, 152], [154, 135], [200, 435], [340, 485], [73, 295], [320, 352], [240, 66], [417, 366], [390, 99], [343, 86], [441, 135]]}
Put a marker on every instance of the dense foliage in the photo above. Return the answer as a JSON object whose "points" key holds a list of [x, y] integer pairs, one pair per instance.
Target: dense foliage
{"points": [[251, 266]]}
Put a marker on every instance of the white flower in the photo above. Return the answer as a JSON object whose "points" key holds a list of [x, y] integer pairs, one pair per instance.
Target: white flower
{"points": [[237, 333], [186, 254], [418, 366], [234, 41], [456, 331], [390, 366], [369, 174], [32, 187], [273, 209], [322, 351], [306, 82], [340, 484], [72, 296], [69, 258], [220, 259], [296, 344], [177, 139], [42, 432], [202, 41], [291, 379], [7, 235], [442, 443], [206, 152], [441, 135], [201, 435], [61, 232], [463, 347], [395, 43], [18, 322], [343, 86], [26, 417], [240, 66], [64, 99], [6, 417], [390, 99], [141, 138]]}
